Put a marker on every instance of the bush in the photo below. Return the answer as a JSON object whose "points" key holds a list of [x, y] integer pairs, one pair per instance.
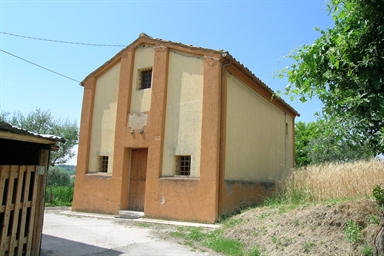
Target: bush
{"points": [[378, 194], [59, 195], [56, 178], [352, 232]]}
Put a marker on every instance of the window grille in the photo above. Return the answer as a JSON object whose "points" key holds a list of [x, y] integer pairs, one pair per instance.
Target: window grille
{"points": [[103, 164], [183, 165], [145, 79]]}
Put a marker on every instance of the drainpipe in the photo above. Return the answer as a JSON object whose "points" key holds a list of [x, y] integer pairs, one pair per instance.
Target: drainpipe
{"points": [[221, 164], [285, 139]]}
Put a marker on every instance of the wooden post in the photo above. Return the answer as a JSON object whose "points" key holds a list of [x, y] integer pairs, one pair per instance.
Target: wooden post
{"points": [[50, 195], [5, 209], [17, 207], [40, 201]]}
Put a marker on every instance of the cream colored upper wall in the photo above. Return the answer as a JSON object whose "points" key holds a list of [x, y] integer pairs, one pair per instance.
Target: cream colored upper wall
{"points": [[104, 118], [256, 142], [183, 119], [289, 145], [141, 99]]}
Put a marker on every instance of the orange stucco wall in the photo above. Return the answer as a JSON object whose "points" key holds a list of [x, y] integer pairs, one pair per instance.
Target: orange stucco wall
{"points": [[93, 191], [238, 194], [193, 199]]}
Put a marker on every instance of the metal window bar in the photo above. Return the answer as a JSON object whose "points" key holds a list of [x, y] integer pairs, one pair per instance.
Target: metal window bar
{"points": [[184, 165], [104, 164], [145, 79]]}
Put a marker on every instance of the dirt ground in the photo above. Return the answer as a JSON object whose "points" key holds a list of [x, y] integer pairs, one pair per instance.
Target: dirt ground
{"points": [[310, 230], [71, 233], [307, 230]]}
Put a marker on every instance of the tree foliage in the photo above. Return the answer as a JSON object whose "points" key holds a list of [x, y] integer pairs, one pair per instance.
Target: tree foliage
{"points": [[344, 68], [43, 122], [323, 141], [304, 133], [56, 178]]}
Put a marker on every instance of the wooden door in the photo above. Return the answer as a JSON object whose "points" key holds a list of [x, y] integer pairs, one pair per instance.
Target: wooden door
{"points": [[137, 179]]}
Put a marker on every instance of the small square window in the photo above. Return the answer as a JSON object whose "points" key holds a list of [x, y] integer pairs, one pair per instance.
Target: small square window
{"points": [[103, 164], [183, 165], [145, 79]]}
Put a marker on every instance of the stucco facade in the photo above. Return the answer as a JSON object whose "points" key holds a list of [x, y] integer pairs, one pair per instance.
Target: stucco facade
{"points": [[203, 112]]}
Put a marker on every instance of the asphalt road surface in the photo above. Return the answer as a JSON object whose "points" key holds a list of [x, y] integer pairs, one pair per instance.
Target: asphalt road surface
{"points": [[72, 234]]}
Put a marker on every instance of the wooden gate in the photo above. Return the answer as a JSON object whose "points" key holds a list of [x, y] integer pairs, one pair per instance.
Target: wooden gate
{"points": [[20, 210], [137, 179]]}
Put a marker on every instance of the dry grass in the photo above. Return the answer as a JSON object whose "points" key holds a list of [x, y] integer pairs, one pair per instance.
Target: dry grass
{"points": [[335, 181]]}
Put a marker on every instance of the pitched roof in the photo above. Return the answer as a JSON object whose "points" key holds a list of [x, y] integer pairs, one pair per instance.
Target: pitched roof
{"points": [[8, 131], [224, 54]]}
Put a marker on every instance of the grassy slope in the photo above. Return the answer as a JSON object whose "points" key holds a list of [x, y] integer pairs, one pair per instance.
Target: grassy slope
{"points": [[311, 216]]}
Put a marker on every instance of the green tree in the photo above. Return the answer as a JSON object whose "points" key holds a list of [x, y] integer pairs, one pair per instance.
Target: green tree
{"points": [[323, 141], [56, 178], [337, 142], [344, 68], [43, 122], [304, 133]]}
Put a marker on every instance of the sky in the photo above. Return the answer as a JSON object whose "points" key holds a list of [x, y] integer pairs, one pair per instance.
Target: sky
{"points": [[257, 33]]}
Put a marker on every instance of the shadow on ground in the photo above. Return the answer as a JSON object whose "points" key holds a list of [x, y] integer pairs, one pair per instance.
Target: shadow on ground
{"points": [[56, 246]]}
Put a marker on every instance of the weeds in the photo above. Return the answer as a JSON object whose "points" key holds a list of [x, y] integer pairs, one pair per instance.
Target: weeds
{"points": [[352, 232], [378, 194], [255, 251], [331, 184], [218, 243], [59, 196], [374, 219], [213, 240], [307, 246], [144, 225], [367, 250], [231, 222]]}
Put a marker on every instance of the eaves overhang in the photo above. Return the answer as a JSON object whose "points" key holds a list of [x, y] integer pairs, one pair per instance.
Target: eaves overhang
{"points": [[10, 132]]}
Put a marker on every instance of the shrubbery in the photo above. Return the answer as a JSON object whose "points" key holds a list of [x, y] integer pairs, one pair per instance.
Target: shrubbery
{"points": [[59, 196], [59, 189]]}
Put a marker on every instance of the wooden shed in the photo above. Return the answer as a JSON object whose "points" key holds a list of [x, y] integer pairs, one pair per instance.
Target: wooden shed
{"points": [[24, 161]]}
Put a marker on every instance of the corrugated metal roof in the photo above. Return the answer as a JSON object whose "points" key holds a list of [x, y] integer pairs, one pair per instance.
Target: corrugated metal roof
{"points": [[4, 126]]}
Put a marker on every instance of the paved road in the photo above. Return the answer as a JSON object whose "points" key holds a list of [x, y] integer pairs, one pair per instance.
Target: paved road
{"points": [[70, 234]]}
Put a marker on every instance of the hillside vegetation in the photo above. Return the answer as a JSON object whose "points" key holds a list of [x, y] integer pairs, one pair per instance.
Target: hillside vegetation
{"points": [[70, 169], [320, 210]]}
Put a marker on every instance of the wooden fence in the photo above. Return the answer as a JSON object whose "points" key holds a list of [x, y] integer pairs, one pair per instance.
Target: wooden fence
{"points": [[21, 209]]}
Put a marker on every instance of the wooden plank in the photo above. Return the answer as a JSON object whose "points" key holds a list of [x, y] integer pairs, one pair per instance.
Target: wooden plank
{"points": [[138, 179], [27, 178], [17, 207], [27, 138], [5, 170], [33, 210], [40, 203], [7, 213]]}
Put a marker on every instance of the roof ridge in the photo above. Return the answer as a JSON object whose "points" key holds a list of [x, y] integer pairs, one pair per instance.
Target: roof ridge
{"points": [[224, 54]]}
